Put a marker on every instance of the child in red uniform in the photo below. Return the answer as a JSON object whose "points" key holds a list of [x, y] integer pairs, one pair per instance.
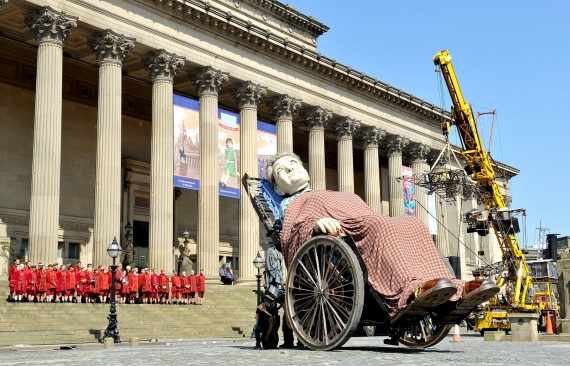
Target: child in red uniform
{"points": [[192, 288], [185, 283], [163, 284], [201, 286], [102, 284], [71, 283], [41, 283], [177, 287], [12, 278], [133, 286], [154, 289], [61, 288]]}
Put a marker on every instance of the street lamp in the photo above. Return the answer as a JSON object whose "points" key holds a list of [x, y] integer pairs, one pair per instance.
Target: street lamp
{"points": [[258, 263], [114, 250], [186, 236]]}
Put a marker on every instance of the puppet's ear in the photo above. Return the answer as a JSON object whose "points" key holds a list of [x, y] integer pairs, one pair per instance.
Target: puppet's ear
{"points": [[278, 191]]}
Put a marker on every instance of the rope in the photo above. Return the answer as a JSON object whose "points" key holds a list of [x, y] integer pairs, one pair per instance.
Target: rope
{"points": [[449, 231]]}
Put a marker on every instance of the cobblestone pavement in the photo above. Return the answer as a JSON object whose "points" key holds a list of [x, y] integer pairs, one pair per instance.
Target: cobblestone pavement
{"points": [[358, 351]]}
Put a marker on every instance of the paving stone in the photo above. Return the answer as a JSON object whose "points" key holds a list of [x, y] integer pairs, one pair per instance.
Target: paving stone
{"points": [[357, 351]]}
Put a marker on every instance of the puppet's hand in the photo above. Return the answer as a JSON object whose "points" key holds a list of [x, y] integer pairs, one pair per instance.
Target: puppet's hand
{"points": [[327, 225]]}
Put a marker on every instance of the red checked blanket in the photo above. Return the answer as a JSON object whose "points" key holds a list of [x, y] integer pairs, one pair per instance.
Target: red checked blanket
{"points": [[398, 251]]}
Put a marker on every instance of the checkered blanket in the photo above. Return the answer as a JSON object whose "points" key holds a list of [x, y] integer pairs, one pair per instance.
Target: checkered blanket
{"points": [[399, 252]]}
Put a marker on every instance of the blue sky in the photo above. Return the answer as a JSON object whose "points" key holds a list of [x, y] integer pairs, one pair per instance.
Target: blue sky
{"points": [[512, 56]]}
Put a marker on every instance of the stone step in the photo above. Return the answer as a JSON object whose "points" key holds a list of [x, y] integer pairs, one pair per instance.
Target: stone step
{"points": [[228, 311]]}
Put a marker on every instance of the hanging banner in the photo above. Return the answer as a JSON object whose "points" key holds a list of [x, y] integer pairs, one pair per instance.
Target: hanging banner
{"points": [[408, 184], [187, 147], [432, 214]]}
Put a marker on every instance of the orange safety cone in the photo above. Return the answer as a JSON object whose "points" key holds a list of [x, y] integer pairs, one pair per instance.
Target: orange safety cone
{"points": [[456, 335], [548, 324]]}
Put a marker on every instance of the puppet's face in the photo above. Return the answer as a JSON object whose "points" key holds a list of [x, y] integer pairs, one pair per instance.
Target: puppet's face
{"points": [[289, 175]]}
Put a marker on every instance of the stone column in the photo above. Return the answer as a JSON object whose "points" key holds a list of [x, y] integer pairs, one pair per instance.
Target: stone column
{"points": [[316, 119], [420, 166], [110, 49], [395, 145], [283, 108], [50, 28], [248, 96], [371, 136], [344, 128], [442, 237], [208, 82], [163, 66], [563, 264]]}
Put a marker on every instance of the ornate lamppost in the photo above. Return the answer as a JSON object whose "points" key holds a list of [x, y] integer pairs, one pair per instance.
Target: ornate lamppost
{"points": [[258, 263], [129, 251], [114, 250], [186, 236]]}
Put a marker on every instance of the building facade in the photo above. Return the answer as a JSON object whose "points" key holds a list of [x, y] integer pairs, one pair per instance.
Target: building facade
{"points": [[86, 113]]}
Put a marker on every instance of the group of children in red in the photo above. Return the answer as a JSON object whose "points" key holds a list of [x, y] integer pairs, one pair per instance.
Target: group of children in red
{"points": [[55, 283]]}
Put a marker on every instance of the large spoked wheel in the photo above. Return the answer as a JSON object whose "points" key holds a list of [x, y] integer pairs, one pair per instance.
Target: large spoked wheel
{"points": [[424, 333], [325, 293]]}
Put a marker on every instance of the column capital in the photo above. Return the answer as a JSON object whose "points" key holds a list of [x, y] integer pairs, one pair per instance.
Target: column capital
{"points": [[284, 106], [345, 127], [162, 65], [111, 47], [209, 81], [396, 144], [433, 156], [49, 25], [371, 135], [419, 152], [317, 117], [249, 94]]}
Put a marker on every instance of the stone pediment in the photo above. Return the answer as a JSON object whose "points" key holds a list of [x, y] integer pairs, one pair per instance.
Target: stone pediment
{"points": [[283, 20]]}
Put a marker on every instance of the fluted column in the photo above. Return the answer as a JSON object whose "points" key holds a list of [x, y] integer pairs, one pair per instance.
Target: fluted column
{"points": [[442, 237], [162, 66], [283, 108], [208, 82], [247, 97], [371, 136], [344, 128], [50, 28], [395, 145], [316, 119], [110, 49], [420, 167]]}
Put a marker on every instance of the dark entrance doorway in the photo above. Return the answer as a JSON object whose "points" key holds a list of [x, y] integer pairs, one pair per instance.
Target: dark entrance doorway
{"points": [[140, 243]]}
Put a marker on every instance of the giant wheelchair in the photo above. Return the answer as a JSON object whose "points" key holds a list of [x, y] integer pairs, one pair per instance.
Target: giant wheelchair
{"points": [[326, 296]]}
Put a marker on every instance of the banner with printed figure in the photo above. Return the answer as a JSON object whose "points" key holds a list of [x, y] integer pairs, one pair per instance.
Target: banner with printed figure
{"points": [[408, 185], [187, 147]]}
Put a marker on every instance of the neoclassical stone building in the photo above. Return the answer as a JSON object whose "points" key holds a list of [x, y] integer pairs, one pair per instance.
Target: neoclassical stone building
{"points": [[86, 114]]}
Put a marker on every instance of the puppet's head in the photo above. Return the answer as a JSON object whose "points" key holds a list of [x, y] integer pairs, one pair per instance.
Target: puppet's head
{"points": [[286, 174]]}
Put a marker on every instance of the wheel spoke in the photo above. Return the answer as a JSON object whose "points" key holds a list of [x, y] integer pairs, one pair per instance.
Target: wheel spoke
{"points": [[333, 311], [319, 278], [323, 316], [309, 275]]}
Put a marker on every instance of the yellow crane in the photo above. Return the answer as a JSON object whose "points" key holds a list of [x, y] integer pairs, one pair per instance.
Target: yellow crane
{"points": [[515, 279]]}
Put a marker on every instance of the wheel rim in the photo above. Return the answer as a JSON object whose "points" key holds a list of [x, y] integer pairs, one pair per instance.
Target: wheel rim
{"points": [[325, 293], [424, 333]]}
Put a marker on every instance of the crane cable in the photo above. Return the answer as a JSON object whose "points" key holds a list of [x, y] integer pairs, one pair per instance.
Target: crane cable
{"points": [[459, 241]]}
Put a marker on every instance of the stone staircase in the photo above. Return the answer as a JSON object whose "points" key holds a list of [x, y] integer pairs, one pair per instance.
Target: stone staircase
{"points": [[228, 311]]}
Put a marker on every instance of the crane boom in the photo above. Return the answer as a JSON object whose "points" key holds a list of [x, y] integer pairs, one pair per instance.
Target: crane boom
{"points": [[479, 166]]}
